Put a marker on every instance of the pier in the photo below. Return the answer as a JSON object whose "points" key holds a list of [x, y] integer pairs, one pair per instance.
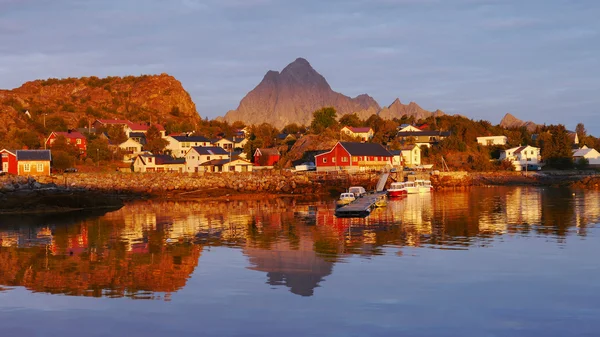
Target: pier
{"points": [[361, 207]]}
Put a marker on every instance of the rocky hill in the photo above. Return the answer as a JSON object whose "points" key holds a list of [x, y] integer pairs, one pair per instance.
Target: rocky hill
{"points": [[397, 110], [156, 98], [292, 95], [510, 121]]}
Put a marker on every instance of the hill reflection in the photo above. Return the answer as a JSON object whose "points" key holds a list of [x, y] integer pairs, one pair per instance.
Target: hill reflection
{"points": [[149, 250]]}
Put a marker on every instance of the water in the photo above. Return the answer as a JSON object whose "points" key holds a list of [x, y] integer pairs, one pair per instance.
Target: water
{"points": [[485, 262]]}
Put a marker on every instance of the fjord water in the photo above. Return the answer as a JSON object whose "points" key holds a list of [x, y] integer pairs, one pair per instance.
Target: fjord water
{"points": [[484, 262]]}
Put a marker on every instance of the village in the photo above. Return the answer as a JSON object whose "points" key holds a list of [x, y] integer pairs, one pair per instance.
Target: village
{"points": [[355, 151]]}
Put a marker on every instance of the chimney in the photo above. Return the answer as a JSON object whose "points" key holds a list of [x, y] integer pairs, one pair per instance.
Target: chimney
{"points": [[69, 131]]}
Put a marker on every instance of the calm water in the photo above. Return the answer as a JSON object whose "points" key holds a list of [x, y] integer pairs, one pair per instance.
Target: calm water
{"points": [[485, 262]]}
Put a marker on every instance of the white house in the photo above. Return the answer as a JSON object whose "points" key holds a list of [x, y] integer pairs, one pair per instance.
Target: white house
{"points": [[157, 163], [522, 156], [130, 149], [411, 155], [180, 145], [197, 155], [408, 128], [492, 140], [227, 165], [364, 133], [591, 155]]}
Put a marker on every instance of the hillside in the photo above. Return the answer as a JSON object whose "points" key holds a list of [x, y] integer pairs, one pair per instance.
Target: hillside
{"points": [[77, 101]]}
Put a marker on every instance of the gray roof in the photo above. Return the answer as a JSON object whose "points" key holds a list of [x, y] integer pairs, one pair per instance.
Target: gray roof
{"points": [[210, 150], [366, 149], [196, 139], [34, 155]]}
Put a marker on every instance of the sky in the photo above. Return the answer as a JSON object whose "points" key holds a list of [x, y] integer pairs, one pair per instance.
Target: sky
{"points": [[537, 59]]}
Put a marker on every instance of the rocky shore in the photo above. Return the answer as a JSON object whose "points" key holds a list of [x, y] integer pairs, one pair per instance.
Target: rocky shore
{"points": [[575, 179]]}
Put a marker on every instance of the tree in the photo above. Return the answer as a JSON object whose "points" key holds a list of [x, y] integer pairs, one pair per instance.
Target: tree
{"points": [[292, 128], [266, 134], [322, 119], [116, 134], [61, 160], [581, 131], [555, 146], [154, 141], [98, 150], [56, 123], [351, 120], [62, 144]]}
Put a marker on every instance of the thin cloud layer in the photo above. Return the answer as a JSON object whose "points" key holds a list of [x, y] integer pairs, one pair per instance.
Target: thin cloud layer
{"points": [[536, 59]]}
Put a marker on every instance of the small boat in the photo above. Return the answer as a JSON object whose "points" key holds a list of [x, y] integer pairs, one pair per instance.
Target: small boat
{"points": [[411, 187], [345, 199], [381, 200], [424, 186], [397, 189], [358, 191]]}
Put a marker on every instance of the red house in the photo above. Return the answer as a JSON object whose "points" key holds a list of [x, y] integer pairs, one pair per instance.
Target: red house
{"points": [[9, 161], [350, 156], [266, 157], [73, 137]]}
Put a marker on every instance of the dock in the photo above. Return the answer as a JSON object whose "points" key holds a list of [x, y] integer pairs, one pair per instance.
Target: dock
{"points": [[361, 207]]}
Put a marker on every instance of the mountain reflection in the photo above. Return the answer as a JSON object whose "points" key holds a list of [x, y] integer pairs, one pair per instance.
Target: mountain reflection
{"points": [[148, 250]]}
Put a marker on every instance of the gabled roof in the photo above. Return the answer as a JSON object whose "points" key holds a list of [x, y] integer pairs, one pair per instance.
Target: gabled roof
{"points": [[583, 152], [162, 159], [13, 152], [34, 155], [267, 151], [69, 135], [221, 162], [358, 129], [365, 149], [195, 139], [143, 126], [209, 150]]}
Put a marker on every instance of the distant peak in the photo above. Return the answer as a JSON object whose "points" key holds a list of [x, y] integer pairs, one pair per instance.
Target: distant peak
{"points": [[396, 102], [301, 60]]}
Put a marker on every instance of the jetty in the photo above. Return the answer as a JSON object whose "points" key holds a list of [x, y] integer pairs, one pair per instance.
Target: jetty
{"points": [[361, 207]]}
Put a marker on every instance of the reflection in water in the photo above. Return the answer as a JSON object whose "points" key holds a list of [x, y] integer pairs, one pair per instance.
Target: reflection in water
{"points": [[150, 249]]}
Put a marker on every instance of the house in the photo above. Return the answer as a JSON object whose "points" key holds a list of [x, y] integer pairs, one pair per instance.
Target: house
{"points": [[592, 156], [411, 155], [9, 161], [197, 155], [522, 156], [365, 134], [99, 123], [139, 137], [285, 137], [492, 140], [33, 162], [74, 138], [158, 163], [408, 128], [180, 145], [130, 149], [421, 137], [353, 156], [143, 128], [225, 143], [266, 157], [227, 165]]}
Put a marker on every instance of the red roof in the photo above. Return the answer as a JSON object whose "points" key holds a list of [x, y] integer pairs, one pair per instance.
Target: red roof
{"points": [[359, 130], [70, 135], [521, 148], [143, 126]]}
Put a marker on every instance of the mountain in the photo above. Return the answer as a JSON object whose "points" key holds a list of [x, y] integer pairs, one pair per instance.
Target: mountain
{"points": [[510, 121], [397, 110], [291, 96], [75, 101]]}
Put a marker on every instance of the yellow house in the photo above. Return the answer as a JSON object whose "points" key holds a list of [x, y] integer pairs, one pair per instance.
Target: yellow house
{"points": [[33, 162], [365, 134]]}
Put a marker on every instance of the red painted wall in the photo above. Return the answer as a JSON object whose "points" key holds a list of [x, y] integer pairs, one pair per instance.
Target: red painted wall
{"points": [[265, 160], [339, 153], [9, 158], [73, 141]]}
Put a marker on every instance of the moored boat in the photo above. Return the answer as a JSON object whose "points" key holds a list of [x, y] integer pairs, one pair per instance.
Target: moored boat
{"points": [[381, 200], [358, 191], [345, 199], [397, 189], [423, 186], [411, 187]]}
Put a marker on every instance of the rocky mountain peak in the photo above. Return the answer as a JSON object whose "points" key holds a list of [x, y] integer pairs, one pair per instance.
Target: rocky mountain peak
{"points": [[510, 121]]}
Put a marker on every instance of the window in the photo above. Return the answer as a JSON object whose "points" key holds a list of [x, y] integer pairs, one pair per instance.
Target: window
{"points": [[40, 167], [324, 160], [26, 167], [207, 157], [78, 141], [333, 160], [354, 159], [344, 159], [231, 168]]}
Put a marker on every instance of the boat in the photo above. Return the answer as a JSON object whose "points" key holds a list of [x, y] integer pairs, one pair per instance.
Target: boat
{"points": [[423, 186], [397, 189], [381, 200], [411, 187], [345, 199], [358, 191]]}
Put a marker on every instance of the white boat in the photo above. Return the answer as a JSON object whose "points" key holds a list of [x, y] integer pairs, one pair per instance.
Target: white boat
{"points": [[345, 199], [397, 189], [423, 186], [358, 191], [411, 187]]}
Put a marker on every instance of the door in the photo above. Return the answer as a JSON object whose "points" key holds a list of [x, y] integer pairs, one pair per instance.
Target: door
{"points": [[5, 167]]}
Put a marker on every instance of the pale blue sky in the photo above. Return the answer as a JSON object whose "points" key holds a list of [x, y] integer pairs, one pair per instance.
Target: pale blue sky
{"points": [[537, 59]]}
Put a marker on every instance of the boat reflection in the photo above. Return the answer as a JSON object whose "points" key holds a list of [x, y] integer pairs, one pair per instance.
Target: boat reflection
{"points": [[148, 250]]}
